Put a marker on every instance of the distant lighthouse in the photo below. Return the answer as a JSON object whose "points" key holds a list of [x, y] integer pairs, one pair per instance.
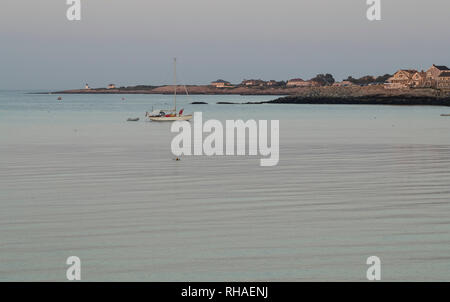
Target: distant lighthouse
{"points": [[87, 86]]}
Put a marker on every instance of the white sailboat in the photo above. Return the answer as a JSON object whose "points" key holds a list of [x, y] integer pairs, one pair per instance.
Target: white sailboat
{"points": [[171, 114]]}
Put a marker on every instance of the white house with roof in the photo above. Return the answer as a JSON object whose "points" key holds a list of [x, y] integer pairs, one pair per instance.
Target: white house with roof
{"points": [[221, 84]]}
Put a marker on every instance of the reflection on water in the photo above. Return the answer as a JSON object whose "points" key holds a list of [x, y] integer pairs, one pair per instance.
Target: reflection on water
{"points": [[351, 182]]}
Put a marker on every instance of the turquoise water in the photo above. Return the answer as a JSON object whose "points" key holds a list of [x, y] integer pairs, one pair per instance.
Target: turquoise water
{"points": [[352, 182]]}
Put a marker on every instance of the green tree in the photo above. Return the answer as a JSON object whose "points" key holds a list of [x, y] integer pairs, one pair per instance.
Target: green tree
{"points": [[324, 79]]}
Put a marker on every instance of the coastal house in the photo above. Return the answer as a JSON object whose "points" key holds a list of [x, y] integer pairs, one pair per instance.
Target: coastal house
{"points": [[443, 81], [111, 86], [433, 75], [298, 83], [253, 83], [313, 83], [408, 78], [435, 71], [301, 83], [401, 79], [221, 84], [273, 83], [419, 79]]}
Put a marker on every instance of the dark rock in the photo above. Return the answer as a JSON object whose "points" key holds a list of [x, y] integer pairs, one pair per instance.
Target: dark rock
{"points": [[366, 100]]}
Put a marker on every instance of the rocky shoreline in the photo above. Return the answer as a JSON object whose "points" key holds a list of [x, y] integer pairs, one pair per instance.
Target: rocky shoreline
{"points": [[363, 100], [192, 89], [355, 95]]}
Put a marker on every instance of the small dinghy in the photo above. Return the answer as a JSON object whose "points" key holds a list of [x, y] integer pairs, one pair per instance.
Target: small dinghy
{"points": [[132, 119]]}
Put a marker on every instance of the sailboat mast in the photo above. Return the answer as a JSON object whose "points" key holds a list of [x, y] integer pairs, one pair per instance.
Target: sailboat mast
{"points": [[175, 82]]}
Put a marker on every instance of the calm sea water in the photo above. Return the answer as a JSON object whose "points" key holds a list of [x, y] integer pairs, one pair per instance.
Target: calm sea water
{"points": [[352, 182]]}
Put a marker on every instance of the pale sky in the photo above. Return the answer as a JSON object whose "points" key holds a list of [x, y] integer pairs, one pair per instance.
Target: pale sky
{"points": [[130, 42]]}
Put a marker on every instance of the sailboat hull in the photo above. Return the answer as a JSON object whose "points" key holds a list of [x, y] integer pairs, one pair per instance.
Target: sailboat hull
{"points": [[174, 116], [170, 118]]}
